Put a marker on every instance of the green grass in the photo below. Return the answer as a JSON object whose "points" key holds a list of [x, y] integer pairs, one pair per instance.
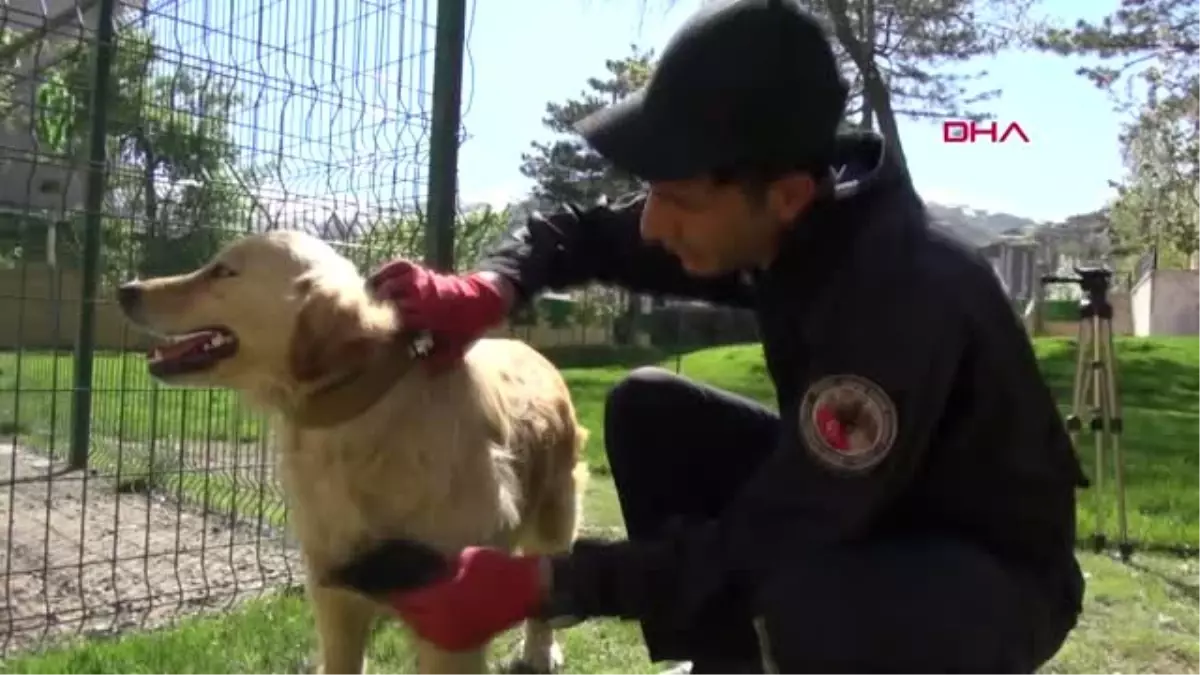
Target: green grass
{"points": [[1160, 392], [1160, 381], [204, 445], [1138, 618]]}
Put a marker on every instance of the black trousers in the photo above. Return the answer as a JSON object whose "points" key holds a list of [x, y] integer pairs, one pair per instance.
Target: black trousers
{"points": [[680, 450]]}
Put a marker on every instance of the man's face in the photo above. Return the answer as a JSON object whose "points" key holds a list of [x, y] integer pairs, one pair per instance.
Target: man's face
{"points": [[715, 228]]}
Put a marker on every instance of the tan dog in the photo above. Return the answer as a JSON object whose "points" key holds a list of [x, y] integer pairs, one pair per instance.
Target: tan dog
{"points": [[370, 445]]}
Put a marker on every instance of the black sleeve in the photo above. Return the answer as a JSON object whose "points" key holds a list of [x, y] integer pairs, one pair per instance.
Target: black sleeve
{"points": [[574, 247], [893, 381]]}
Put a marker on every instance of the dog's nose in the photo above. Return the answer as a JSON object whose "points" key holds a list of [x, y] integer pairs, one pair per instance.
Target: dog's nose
{"points": [[129, 295]]}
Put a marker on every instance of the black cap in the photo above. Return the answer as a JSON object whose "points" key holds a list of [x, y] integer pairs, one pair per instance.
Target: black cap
{"points": [[742, 84]]}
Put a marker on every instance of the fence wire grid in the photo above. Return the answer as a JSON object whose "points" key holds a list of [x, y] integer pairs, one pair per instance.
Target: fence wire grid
{"points": [[127, 505]]}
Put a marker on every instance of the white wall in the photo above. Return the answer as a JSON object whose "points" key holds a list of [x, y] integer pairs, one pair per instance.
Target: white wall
{"points": [[1176, 303], [1141, 301], [31, 176]]}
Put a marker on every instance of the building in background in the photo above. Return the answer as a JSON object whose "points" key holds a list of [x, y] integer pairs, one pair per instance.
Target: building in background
{"points": [[1015, 260]]}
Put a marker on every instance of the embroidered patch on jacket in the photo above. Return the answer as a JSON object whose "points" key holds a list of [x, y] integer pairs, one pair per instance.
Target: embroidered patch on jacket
{"points": [[847, 422]]}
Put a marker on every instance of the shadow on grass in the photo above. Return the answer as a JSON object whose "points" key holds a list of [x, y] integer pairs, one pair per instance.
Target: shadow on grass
{"points": [[1160, 374], [1174, 581]]}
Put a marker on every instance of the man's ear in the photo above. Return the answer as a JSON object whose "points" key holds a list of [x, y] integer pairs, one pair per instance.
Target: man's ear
{"points": [[337, 331], [789, 195]]}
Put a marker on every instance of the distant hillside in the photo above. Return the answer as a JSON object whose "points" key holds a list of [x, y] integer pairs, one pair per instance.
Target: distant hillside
{"points": [[976, 226], [979, 227]]}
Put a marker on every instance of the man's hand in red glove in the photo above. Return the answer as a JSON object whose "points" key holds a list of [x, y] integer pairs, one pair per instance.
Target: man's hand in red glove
{"points": [[456, 309], [471, 598], [467, 304]]}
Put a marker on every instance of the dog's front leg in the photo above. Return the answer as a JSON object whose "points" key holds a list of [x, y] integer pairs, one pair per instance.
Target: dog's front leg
{"points": [[431, 660], [343, 621]]}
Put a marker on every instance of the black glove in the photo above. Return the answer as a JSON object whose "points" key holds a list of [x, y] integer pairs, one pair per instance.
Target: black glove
{"points": [[390, 566]]}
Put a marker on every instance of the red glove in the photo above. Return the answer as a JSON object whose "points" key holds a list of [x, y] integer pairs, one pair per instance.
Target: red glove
{"points": [[456, 309], [442, 303], [486, 593]]}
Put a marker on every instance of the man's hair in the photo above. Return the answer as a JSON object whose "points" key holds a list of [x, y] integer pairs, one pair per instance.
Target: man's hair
{"points": [[754, 180]]}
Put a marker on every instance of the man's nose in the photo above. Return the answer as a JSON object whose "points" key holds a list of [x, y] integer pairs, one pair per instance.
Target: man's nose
{"points": [[651, 227], [129, 295]]}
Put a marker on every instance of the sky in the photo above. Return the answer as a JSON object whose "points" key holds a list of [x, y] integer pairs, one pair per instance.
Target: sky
{"points": [[338, 95], [546, 49]]}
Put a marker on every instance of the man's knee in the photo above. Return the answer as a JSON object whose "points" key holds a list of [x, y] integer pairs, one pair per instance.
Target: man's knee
{"points": [[670, 427], [640, 388], [631, 411], [635, 403]]}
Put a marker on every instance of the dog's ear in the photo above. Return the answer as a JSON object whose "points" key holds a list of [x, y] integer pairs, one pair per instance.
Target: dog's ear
{"points": [[337, 330]]}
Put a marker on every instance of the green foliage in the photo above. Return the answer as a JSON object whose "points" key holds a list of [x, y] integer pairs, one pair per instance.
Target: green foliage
{"points": [[23, 236], [403, 236], [565, 169], [587, 314], [557, 311], [896, 54], [172, 197], [1060, 310], [890, 50], [1150, 47], [524, 315]]}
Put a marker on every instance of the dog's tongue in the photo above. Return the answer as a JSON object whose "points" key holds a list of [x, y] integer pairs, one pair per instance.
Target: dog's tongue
{"points": [[180, 346]]}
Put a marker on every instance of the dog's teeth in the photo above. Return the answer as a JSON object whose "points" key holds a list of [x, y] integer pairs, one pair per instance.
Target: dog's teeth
{"points": [[156, 355]]}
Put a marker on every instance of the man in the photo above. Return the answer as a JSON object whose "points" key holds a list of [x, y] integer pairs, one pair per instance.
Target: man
{"points": [[911, 507]]}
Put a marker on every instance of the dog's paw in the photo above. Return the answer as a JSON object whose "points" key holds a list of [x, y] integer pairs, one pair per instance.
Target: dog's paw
{"points": [[305, 665], [313, 665], [522, 666], [539, 664]]}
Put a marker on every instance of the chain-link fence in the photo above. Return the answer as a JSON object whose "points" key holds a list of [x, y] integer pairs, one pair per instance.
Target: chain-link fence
{"points": [[136, 140]]}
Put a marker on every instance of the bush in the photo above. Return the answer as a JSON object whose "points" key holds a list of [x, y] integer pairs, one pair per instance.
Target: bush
{"points": [[684, 326], [601, 356], [1060, 310]]}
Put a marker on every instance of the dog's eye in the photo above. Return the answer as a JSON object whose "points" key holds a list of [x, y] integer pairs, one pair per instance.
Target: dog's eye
{"points": [[219, 271]]}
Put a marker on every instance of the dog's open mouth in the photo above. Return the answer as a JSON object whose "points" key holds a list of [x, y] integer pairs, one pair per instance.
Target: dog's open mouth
{"points": [[192, 352]]}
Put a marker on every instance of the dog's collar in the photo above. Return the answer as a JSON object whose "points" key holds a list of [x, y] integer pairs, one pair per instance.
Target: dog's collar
{"points": [[350, 395]]}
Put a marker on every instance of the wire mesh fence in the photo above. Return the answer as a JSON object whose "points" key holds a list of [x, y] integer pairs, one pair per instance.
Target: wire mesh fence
{"points": [[137, 139]]}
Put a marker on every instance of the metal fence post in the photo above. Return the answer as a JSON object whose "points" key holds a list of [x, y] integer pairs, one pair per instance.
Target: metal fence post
{"points": [[443, 144], [81, 402]]}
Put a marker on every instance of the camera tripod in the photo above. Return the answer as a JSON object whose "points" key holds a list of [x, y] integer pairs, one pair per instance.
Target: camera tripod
{"points": [[1095, 391]]}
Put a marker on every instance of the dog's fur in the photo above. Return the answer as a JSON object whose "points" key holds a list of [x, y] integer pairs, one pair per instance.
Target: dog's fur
{"points": [[486, 453]]}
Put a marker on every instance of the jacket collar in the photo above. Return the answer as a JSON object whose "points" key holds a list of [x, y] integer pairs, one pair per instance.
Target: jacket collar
{"points": [[865, 180]]}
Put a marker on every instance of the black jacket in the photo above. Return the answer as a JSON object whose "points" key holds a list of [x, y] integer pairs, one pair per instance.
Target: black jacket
{"points": [[968, 440]]}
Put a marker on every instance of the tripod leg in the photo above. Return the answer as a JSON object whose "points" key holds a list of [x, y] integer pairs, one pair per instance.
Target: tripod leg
{"points": [[1079, 397], [1079, 389], [1098, 425], [1115, 424]]}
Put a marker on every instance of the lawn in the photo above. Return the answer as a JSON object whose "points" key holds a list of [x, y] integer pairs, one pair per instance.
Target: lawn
{"points": [[1139, 618]]}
